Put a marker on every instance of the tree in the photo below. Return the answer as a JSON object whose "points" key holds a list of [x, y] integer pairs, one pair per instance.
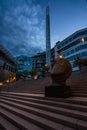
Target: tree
{"points": [[80, 62], [23, 74], [46, 68], [34, 74]]}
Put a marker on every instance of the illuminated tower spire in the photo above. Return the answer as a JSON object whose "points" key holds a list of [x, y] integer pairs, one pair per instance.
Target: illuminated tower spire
{"points": [[48, 46]]}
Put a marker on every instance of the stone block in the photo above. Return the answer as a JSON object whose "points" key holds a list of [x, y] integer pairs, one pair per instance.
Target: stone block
{"points": [[57, 91]]}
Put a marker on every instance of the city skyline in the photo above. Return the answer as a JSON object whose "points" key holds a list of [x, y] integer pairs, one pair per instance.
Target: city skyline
{"points": [[22, 24]]}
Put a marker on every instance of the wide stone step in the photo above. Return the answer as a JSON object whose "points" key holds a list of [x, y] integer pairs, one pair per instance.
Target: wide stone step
{"points": [[46, 104], [79, 94], [79, 88], [37, 120], [6, 125], [17, 121], [45, 113], [78, 91], [44, 100], [42, 111]]}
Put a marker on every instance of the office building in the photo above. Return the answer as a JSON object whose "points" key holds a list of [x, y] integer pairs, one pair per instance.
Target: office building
{"points": [[8, 65], [73, 47], [24, 63]]}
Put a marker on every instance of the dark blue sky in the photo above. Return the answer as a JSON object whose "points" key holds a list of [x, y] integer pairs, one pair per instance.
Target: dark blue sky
{"points": [[22, 23]]}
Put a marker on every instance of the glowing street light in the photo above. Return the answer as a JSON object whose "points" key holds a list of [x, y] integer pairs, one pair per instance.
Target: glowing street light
{"points": [[60, 56], [1, 83]]}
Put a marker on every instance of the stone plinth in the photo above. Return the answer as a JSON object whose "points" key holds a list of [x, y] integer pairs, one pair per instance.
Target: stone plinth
{"points": [[57, 91]]}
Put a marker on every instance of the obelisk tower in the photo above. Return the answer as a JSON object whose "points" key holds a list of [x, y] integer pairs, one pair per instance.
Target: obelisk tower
{"points": [[48, 46]]}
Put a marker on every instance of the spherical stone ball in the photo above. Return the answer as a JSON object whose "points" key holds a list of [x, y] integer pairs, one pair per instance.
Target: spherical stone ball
{"points": [[61, 71]]}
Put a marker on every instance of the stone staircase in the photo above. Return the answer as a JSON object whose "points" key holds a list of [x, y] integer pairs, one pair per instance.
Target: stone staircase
{"points": [[22, 111], [79, 93], [80, 90], [78, 84]]}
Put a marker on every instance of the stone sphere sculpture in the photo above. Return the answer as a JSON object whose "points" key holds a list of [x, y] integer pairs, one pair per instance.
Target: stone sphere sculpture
{"points": [[61, 71]]}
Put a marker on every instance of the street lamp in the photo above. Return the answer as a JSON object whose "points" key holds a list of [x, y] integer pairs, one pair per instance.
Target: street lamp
{"points": [[60, 56]]}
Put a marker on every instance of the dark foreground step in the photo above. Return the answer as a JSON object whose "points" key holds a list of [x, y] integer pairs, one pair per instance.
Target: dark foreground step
{"points": [[6, 125], [16, 120], [39, 121], [43, 113], [42, 109]]}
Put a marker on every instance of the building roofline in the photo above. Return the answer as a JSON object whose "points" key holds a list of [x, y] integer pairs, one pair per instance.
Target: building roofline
{"points": [[74, 34], [8, 55]]}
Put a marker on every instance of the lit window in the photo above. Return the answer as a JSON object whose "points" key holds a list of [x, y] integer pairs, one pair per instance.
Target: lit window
{"points": [[1, 83], [82, 40], [7, 81]]}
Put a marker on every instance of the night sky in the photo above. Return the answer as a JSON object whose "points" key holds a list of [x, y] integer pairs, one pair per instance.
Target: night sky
{"points": [[22, 23]]}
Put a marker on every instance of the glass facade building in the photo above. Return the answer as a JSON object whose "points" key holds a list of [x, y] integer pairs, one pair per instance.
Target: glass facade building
{"points": [[24, 63], [8, 65], [39, 60], [73, 47]]}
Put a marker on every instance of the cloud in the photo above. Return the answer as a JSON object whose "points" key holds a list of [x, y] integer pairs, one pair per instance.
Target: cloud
{"points": [[22, 27]]}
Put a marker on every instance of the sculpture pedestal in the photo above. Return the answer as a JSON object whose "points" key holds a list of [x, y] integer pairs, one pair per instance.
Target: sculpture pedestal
{"points": [[57, 91]]}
